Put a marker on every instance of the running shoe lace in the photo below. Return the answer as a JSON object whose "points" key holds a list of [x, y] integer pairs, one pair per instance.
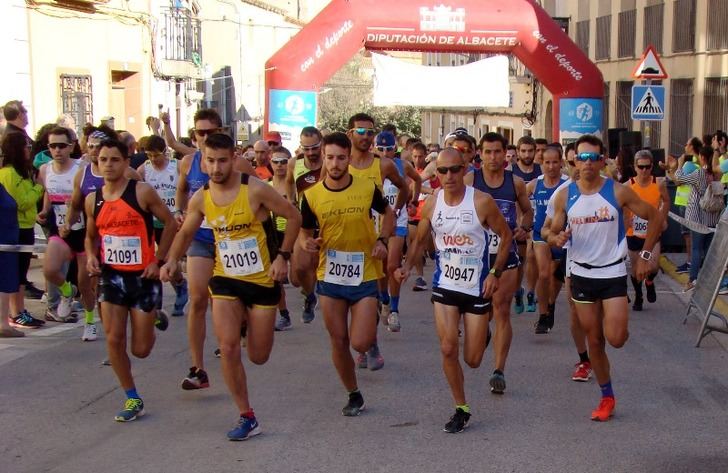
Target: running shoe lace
{"points": [[132, 404]]}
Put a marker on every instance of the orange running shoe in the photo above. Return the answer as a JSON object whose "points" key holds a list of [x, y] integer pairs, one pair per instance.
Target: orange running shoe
{"points": [[582, 372], [605, 409]]}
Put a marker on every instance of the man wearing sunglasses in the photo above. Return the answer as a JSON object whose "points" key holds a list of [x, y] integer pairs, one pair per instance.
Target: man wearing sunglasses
{"points": [[201, 253], [350, 252], [459, 217], [365, 164], [593, 209], [509, 193], [653, 191], [279, 162], [303, 173], [386, 145]]}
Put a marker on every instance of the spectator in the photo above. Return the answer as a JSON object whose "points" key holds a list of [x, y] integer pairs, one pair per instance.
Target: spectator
{"points": [[8, 279], [707, 172], [39, 151], [16, 177], [16, 116], [262, 160]]}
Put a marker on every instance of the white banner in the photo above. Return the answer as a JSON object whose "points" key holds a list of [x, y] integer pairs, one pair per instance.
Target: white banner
{"points": [[476, 85]]}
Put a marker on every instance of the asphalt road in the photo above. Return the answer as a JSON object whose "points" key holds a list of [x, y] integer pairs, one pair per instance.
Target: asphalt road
{"points": [[57, 404]]}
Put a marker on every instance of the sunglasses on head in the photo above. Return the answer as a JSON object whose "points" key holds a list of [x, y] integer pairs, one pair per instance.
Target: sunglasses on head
{"points": [[58, 145], [593, 157], [204, 132], [311, 147], [364, 131], [279, 160], [385, 148], [453, 169], [644, 166]]}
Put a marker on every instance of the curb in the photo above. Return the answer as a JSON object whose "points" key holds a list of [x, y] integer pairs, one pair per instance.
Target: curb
{"points": [[668, 267]]}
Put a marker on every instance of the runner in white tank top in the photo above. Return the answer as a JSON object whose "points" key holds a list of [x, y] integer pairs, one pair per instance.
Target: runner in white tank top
{"points": [[593, 207], [458, 218]]}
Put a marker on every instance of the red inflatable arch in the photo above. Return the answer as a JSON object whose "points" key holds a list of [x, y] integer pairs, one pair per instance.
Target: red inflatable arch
{"points": [[520, 27]]}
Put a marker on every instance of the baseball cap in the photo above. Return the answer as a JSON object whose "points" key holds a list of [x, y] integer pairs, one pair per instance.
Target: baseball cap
{"points": [[273, 136], [386, 139]]}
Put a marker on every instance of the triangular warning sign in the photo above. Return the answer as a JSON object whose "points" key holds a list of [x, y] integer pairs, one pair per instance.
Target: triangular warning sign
{"points": [[648, 104], [650, 66]]}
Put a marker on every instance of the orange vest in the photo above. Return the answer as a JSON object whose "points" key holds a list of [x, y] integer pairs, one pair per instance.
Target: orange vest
{"points": [[651, 195]]}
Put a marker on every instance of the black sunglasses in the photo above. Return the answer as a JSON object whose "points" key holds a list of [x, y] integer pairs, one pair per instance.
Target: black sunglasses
{"points": [[453, 169], [644, 166], [58, 145], [207, 132]]}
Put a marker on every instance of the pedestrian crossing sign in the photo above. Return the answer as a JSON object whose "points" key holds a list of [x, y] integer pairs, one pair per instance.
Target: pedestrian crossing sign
{"points": [[648, 102]]}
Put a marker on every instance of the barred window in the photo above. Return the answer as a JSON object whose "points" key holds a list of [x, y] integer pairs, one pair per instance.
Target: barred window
{"points": [[77, 98], [654, 26], [627, 31], [683, 31], [717, 37], [604, 37], [623, 106], [582, 35], [605, 112], [715, 111], [681, 114]]}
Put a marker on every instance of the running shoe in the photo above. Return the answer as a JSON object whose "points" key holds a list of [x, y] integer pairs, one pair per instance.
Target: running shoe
{"points": [[283, 323], [180, 299], [518, 304], [637, 305], [550, 320], [133, 408], [309, 307], [420, 284], [24, 320], [247, 427], [582, 372], [375, 360], [458, 422], [393, 324], [497, 383], [361, 361], [161, 320], [51, 315], [89, 333], [651, 293], [542, 325], [65, 307], [197, 379], [384, 312], [683, 268], [10, 332], [32, 292], [530, 302], [605, 409], [39, 321], [355, 405]]}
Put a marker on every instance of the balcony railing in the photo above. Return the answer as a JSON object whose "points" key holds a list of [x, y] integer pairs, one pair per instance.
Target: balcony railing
{"points": [[181, 36]]}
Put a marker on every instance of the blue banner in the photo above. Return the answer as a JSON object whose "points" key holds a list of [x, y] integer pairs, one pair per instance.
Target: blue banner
{"points": [[580, 117], [290, 111]]}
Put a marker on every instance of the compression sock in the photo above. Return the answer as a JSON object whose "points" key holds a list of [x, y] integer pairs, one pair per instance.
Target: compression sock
{"points": [[584, 357], [384, 297], [607, 389], [394, 304], [89, 314], [66, 289], [651, 277], [132, 393], [465, 408], [637, 287]]}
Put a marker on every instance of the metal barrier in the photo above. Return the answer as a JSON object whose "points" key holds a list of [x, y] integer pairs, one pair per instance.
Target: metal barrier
{"points": [[23, 248], [708, 283]]}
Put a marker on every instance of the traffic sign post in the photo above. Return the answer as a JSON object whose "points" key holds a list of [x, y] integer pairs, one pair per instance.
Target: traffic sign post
{"points": [[648, 101]]}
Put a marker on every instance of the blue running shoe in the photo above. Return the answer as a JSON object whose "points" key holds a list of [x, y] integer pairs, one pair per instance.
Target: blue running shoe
{"points": [[309, 306], [247, 427], [530, 302], [180, 300], [518, 304], [133, 408]]}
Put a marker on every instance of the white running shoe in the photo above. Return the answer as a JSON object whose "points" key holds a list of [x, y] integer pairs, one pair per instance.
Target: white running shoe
{"points": [[89, 333], [65, 307]]}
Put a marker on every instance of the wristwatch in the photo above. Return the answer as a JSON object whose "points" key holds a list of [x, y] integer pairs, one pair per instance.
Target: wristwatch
{"points": [[495, 272], [285, 254], [646, 255]]}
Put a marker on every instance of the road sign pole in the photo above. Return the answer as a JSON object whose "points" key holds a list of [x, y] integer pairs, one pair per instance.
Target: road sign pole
{"points": [[648, 126]]}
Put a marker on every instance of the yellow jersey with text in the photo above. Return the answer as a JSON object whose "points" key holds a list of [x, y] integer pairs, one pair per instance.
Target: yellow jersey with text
{"points": [[373, 173]]}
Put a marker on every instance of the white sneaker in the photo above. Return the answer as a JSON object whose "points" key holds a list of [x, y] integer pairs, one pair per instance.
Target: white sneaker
{"points": [[393, 322], [65, 307], [89, 333]]}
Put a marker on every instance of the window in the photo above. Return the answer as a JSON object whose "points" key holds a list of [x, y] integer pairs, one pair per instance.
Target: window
{"points": [[77, 98], [683, 31], [605, 108], [653, 26], [604, 36], [582, 35], [181, 35], [507, 133], [717, 37], [716, 104], [623, 106], [681, 114], [627, 31]]}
